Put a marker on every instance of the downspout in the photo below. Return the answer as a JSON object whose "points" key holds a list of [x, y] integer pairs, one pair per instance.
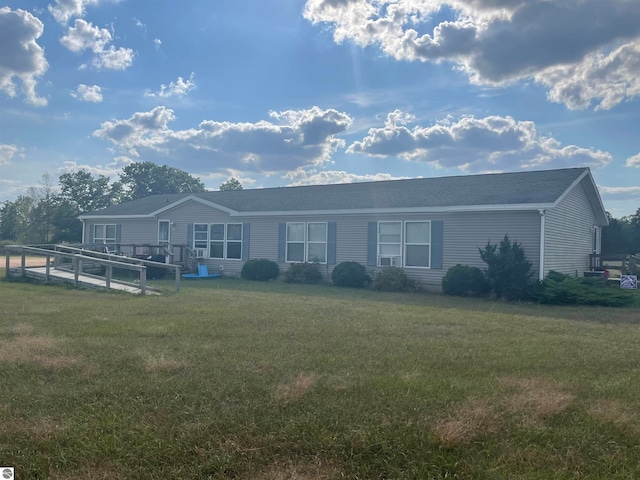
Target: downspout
{"points": [[542, 236], [84, 225]]}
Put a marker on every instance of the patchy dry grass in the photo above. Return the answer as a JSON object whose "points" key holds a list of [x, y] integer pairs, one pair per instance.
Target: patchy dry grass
{"points": [[162, 363], [473, 418], [41, 350], [535, 400], [233, 379]]}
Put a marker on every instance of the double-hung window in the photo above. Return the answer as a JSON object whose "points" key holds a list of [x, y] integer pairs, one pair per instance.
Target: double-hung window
{"points": [[306, 242], [405, 244], [104, 233], [417, 244], [390, 244], [218, 240]]}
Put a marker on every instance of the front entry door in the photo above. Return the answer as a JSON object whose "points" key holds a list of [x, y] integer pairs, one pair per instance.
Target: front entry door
{"points": [[164, 233]]}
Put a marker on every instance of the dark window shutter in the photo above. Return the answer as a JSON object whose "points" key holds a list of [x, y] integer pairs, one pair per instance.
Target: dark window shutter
{"points": [[372, 244], [437, 234], [118, 233], [331, 243], [91, 232], [190, 235], [282, 241], [246, 238]]}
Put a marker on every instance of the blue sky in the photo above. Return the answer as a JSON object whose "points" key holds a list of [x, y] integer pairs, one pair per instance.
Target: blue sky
{"points": [[294, 92]]}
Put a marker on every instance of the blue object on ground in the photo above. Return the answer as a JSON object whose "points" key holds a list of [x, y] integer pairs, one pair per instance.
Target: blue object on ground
{"points": [[203, 272]]}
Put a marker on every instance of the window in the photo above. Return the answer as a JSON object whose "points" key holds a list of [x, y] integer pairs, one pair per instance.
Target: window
{"points": [[389, 243], [317, 242], [104, 234], [223, 241], [417, 244], [307, 242], [408, 247], [234, 241], [216, 240], [295, 242]]}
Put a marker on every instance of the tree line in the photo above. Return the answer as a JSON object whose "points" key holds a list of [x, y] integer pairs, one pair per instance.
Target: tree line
{"points": [[48, 215]]}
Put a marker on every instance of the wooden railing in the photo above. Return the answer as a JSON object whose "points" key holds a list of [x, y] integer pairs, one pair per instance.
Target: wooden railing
{"points": [[627, 264], [73, 259]]}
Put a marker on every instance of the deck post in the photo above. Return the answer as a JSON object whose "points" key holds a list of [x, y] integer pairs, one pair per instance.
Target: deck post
{"points": [[47, 269], [143, 280], [108, 274], [23, 263], [7, 256], [76, 263], [177, 278]]}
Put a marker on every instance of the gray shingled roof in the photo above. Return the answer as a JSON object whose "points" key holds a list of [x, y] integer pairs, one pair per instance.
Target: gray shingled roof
{"points": [[521, 188]]}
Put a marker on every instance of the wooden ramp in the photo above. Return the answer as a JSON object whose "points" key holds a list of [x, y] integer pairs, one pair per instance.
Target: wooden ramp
{"points": [[64, 264], [83, 280]]}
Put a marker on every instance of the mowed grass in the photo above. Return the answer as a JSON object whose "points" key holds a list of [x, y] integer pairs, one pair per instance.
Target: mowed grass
{"points": [[233, 379]]}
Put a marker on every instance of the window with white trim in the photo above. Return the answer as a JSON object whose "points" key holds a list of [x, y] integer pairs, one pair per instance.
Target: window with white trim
{"points": [[218, 240], [404, 244], [104, 233], [417, 244], [306, 242], [389, 244]]}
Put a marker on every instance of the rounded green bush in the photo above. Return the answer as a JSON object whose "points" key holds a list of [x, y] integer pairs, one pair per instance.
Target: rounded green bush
{"points": [[350, 274], [260, 269], [308, 273], [390, 279], [463, 280]]}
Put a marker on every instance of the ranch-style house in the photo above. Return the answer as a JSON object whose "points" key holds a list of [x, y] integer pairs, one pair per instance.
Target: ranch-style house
{"points": [[424, 225]]}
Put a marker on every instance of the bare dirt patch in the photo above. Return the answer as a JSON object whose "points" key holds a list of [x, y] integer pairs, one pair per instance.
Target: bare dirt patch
{"points": [[15, 262], [297, 388]]}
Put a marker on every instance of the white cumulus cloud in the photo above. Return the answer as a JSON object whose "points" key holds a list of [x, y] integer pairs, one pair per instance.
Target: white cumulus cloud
{"points": [[179, 88], [570, 46], [291, 140], [20, 55], [472, 144], [88, 93], [633, 161], [85, 36], [65, 10]]}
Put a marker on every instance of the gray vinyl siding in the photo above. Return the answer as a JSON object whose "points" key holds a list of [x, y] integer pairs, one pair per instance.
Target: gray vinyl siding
{"points": [[143, 230], [463, 234], [569, 234]]}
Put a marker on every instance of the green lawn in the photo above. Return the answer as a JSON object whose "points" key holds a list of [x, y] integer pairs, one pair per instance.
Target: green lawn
{"points": [[233, 379]]}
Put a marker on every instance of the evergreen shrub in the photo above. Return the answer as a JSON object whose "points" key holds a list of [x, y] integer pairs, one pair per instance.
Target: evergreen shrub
{"points": [[308, 273], [391, 279], [508, 270], [560, 289], [463, 280], [260, 269], [350, 274]]}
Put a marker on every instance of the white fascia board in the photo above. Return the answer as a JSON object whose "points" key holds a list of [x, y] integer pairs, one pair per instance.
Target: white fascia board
{"points": [[192, 198], [123, 217], [157, 212], [382, 211]]}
